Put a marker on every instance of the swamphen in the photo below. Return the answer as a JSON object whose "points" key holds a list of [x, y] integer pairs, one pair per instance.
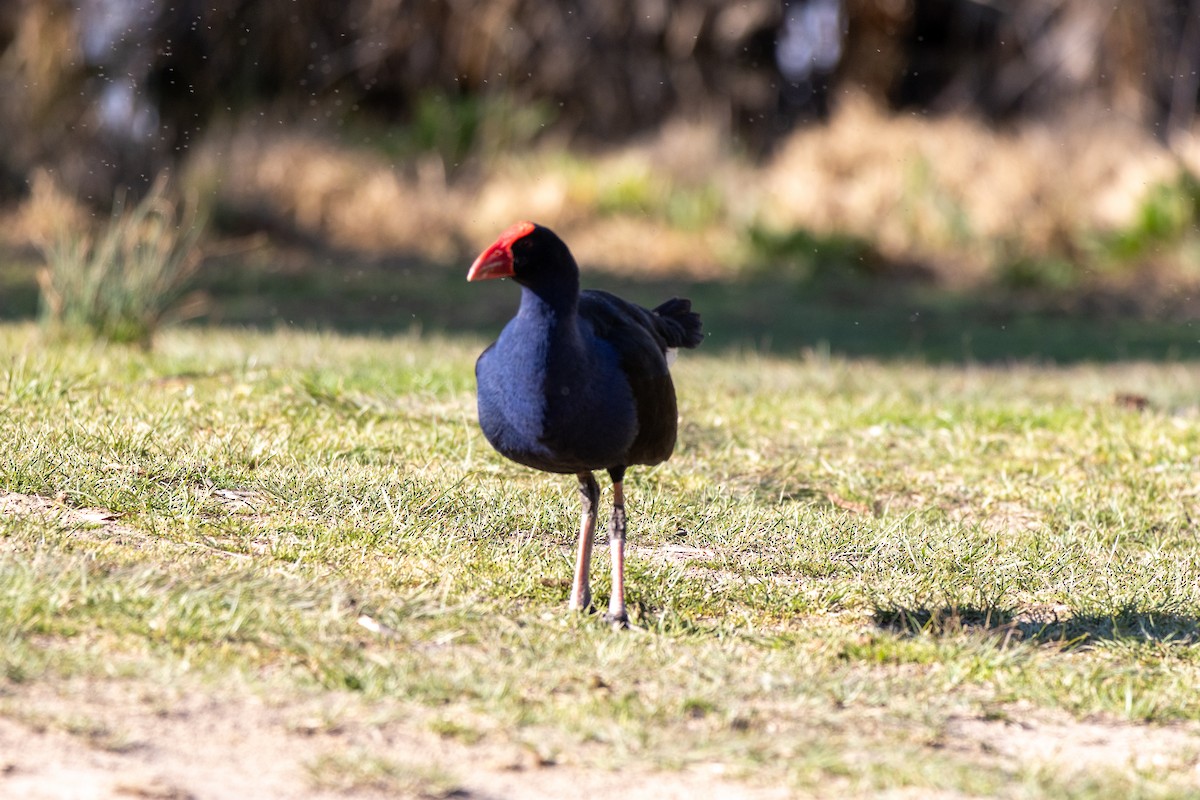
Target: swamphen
{"points": [[578, 381]]}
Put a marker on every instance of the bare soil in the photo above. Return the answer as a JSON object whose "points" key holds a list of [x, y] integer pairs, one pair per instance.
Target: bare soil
{"points": [[116, 740], [1074, 746]]}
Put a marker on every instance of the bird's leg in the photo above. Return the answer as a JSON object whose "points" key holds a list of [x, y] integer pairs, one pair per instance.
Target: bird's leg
{"points": [[616, 545], [581, 593]]}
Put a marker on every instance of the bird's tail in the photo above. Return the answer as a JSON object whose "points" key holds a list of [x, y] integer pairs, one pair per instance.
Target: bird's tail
{"points": [[679, 325]]}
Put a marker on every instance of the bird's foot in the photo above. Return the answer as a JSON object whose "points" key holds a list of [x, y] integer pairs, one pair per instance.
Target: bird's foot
{"points": [[619, 621]]}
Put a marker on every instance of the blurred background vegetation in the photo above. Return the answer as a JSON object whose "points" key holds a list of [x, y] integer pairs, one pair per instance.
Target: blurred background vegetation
{"points": [[902, 161]]}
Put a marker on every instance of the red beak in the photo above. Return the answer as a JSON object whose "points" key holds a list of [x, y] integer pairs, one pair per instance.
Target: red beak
{"points": [[497, 260]]}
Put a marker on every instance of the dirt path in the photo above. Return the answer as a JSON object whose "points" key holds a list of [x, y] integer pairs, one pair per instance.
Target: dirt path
{"points": [[103, 739], [1088, 746]]}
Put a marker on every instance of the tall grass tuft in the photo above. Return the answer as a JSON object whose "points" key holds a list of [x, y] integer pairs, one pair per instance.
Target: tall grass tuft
{"points": [[128, 279]]}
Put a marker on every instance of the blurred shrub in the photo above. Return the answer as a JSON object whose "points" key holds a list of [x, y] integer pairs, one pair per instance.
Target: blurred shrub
{"points": [[629, 191], [1045, 272], [123, 282], [931, 212], [806, 256], [1169, 212], [638, 188], [1166, 219], [456, 126], [693, 208]]}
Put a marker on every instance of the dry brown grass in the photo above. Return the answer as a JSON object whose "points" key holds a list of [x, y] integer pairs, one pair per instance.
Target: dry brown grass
{"points": [[46, 213], [949, 193], [348, 197], [356, 198]]}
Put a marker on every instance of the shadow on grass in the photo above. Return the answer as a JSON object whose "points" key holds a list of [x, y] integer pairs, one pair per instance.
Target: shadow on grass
{"points": [[1043, 625], [310, 287]]}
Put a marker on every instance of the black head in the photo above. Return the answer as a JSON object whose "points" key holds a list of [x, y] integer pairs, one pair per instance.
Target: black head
{"points": [[531, 255]]}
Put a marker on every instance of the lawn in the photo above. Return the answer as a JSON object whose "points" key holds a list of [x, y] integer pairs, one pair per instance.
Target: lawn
{"points": [[287, 563]]}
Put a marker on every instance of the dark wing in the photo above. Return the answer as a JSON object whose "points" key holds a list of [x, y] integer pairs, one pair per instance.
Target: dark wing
{"points": [[641, 339]]}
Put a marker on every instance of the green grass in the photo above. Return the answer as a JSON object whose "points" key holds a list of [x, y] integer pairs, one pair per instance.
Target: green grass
{"points": [[843, 557], [357, 771]]}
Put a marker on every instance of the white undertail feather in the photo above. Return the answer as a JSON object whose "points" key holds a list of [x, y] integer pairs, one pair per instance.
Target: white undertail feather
{"points": [[671, 354]]}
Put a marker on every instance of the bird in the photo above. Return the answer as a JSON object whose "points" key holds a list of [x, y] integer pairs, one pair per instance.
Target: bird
{"points": [[577, 382]]}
